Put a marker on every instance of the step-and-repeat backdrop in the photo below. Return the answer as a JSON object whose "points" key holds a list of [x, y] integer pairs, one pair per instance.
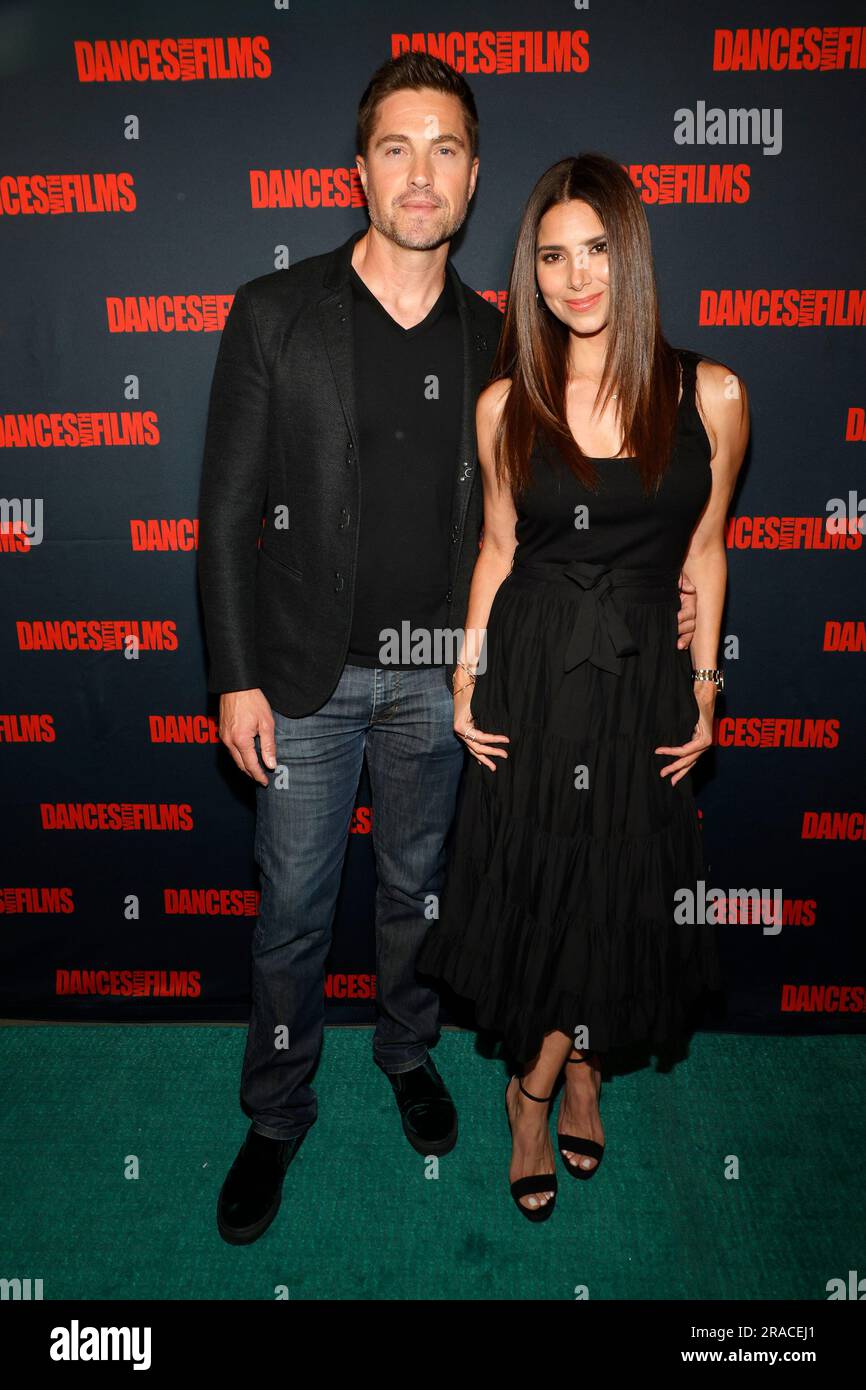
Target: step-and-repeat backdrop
{"points": [[156, 156]]}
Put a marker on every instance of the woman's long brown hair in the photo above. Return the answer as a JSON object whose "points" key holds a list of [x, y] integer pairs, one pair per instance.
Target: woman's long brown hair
{"points": [[533, 346]]}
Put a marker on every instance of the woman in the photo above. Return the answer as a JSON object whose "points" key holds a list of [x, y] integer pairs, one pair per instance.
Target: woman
{"points": [[576, 823]]}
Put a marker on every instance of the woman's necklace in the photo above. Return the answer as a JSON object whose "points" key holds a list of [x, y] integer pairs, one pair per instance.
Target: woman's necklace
{"points": [[614, 395]]}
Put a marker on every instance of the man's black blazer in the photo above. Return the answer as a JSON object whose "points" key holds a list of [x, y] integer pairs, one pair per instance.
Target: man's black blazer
{"points": [[282, 433]]}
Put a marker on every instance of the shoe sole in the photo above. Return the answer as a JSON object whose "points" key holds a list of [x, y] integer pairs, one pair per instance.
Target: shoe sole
{"points": [[583, 1173], [435, 1147], [535, 1214], [245, 1235]]}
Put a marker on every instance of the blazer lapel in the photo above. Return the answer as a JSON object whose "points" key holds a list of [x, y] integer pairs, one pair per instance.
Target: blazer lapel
{"points": [[476, 348], [335, 321]]}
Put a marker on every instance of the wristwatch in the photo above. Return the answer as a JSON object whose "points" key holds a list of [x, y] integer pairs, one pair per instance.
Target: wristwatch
{"points": [[715, 675]]}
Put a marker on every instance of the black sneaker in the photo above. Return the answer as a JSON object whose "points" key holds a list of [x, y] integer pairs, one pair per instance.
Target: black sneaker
{"points": [[426, 1108], [251, 1194]]}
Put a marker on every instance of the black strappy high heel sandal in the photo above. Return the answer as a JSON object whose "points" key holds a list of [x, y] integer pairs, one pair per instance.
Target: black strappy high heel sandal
{"points": [[572, 1144], [542, 1182]]}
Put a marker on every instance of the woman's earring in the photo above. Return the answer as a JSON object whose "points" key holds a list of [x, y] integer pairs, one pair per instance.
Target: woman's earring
{"points": [[537, 299]]}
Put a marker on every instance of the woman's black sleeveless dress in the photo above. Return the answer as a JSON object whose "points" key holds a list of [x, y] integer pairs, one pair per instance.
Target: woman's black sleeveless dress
{"points": [[559, 903]]}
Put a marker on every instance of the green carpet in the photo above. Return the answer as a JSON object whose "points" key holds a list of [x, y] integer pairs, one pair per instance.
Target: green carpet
{"points": [[360, 1220]]}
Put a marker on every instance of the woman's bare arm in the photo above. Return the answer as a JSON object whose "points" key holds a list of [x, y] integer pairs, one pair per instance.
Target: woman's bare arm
{"points": [[491, 567], [724, 406]]}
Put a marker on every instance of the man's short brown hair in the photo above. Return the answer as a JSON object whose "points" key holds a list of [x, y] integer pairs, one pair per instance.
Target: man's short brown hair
{"points": [[411, 71]]}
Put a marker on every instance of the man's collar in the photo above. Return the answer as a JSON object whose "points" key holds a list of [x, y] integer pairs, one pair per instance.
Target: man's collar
{"points": [[337, 270], [336, 275]]}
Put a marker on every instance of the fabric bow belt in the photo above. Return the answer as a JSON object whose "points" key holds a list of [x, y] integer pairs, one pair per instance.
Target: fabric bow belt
{"points": [[600, 634]]}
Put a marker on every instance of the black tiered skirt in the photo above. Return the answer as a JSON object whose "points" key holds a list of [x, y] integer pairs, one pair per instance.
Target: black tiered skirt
{"points": [[560, 907]]}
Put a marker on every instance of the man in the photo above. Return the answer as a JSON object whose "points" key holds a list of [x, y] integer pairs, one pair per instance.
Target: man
{"points": [[342, 412]]}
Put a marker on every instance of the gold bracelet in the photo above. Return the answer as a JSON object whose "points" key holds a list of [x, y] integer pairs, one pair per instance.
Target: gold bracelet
{"points": [[471, 680]]}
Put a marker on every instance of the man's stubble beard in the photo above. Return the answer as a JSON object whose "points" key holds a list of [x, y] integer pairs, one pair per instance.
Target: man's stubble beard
{"points": [[424, 240]]}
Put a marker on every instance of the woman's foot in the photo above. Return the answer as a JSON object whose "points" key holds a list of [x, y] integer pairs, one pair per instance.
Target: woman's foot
{"points": [[578, 1108], [531, 1149]]}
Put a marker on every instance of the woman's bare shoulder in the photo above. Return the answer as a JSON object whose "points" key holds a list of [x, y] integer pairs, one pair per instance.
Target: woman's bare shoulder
{"points": [[491, 400]]}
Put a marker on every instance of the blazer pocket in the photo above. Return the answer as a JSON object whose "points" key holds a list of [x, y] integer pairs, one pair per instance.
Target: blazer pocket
{"points": [[280, 564]]}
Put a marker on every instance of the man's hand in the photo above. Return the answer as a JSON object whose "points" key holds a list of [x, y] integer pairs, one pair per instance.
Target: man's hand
{"points": [[243, 714], [688, 614]]}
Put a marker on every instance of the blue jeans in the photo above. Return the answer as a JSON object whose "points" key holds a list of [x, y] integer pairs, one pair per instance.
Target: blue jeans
{"points": [[403, 721]]}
